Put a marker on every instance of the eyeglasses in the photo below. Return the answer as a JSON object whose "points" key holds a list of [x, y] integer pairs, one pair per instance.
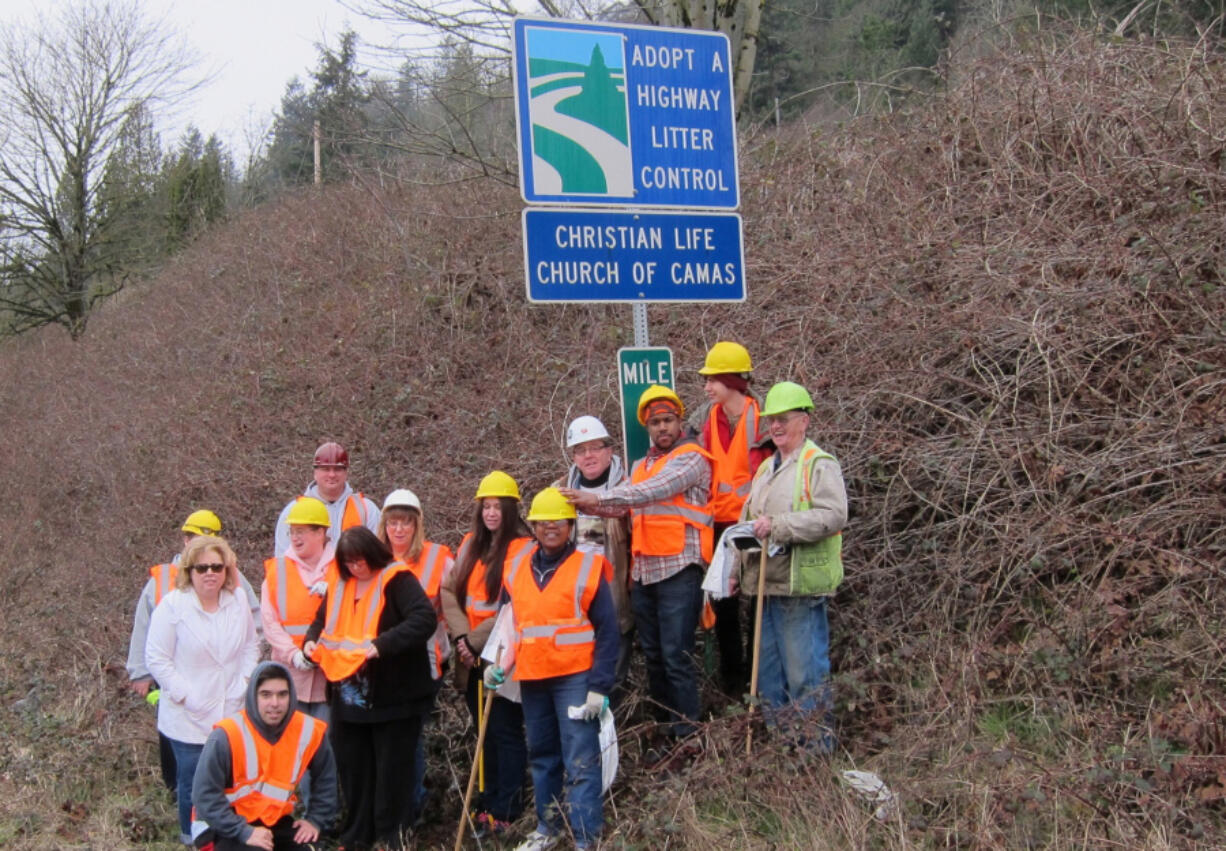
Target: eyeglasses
{"points": [[331, 468], [208, 568], [581, 451], [401, 524]]}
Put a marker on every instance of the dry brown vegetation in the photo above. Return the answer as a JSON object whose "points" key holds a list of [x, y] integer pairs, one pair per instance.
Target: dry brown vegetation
{"points": [[1009, 303]]}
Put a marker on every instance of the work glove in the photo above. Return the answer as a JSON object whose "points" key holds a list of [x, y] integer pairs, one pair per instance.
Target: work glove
{"points": [[494, 676], [319, 589], [593, 706], [152, 697], [301, 662]]}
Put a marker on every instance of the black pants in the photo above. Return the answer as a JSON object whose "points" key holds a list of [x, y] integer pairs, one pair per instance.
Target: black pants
{"points": [[282, 838], [506, 752], [166, 756], [377, 764]]}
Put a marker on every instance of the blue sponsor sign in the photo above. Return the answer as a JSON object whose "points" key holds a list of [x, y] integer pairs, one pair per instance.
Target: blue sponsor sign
{"points": [[616, 115], [622, 256]]}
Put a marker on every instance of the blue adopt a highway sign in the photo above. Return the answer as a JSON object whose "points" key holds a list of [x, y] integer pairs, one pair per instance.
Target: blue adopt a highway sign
{"points": [[616, 115], [623, 256]]}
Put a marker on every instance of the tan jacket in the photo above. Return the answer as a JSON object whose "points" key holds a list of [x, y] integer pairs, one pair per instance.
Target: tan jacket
{"points": [[771, 496], [616, 546]]}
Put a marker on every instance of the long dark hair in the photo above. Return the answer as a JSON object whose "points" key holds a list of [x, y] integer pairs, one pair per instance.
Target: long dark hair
{"points": [[489, 547], [359, 542]]}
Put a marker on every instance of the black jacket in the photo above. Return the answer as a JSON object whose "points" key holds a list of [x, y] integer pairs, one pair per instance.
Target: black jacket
{"points": [[397, 683]]}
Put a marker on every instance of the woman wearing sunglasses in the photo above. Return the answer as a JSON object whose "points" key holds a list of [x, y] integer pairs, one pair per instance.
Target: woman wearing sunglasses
{"points": [[202, 648]]}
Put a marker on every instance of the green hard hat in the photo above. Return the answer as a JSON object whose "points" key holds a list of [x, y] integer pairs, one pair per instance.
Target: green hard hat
{"points": [[786, 396]]}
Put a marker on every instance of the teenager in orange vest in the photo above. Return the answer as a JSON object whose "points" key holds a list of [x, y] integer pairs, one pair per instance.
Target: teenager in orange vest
{"points": [[243, 792], [732, 432], [346, 507], [564, 659], [370, 637], [670, 540], [294, 585], [472, 597]]}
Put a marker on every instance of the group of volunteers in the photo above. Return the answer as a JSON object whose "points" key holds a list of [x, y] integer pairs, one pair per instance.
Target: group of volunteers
{"points": [[363, 614]]}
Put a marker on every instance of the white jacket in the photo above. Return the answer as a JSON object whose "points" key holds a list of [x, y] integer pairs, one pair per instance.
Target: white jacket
{"points": [[201, 660]]}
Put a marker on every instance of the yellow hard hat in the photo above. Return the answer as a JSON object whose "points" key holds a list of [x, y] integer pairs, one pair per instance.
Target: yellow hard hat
{"points": [[308, 511], [654, 392], [497, 484], [202, 522], [549, 504], [726, 357]]}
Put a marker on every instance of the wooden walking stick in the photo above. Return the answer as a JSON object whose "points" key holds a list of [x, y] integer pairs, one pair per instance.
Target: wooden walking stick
{"points": [[757, 650], [472, 774]]}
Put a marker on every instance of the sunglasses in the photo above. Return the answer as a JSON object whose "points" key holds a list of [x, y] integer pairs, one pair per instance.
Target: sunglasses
{"points": [[208, 568]]}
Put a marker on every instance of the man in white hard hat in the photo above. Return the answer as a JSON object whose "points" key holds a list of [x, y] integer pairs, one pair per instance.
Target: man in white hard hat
{"points": [[346, 507], [597, 469]]}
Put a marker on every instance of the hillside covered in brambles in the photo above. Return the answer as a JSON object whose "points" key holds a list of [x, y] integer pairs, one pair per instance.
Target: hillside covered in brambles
{"points": [[1008, 301]]}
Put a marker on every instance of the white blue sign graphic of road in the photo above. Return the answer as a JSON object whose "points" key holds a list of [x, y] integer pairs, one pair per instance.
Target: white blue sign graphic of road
{"points": [[625, 115]]}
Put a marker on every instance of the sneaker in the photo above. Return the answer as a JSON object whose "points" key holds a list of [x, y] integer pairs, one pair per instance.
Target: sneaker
{"points": [[537, 841]]}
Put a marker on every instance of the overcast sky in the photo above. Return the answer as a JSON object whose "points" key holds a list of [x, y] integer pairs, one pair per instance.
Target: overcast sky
{"points": [[254, 47]]}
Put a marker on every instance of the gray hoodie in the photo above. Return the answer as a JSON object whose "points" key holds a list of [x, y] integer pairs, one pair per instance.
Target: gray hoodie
{"points": [[214, 773]]}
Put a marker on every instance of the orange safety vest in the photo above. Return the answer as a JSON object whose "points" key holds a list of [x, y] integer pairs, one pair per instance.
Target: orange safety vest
{"points": [[264, 775], [428, 568], [658, 529], [553, 633], [476, 606], [355, 512], [296, 607], [350, 625], [730, 473], [163, 580]]}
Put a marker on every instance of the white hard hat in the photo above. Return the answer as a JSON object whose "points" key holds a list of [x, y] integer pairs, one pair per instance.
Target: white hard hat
{"points": [[402, 498], [583, 429]]}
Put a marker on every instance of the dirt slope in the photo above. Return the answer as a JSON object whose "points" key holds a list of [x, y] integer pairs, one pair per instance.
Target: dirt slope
{"points": [[1008, 302]]}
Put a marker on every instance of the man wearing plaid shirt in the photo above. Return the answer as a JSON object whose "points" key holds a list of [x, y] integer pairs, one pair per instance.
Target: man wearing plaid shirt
{"points": [[671, 540]]}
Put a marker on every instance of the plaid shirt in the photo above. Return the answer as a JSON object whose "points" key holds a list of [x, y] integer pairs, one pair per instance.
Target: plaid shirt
{"points": [[689, 474]]}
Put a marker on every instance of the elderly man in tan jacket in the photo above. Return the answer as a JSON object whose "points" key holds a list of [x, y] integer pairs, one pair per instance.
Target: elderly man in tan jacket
{"points": [[798, 507]]}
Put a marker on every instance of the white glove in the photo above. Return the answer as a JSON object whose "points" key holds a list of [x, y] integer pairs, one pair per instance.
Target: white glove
{"points": [[319, 589], [301, 662], [494, 676], [591, 708]]}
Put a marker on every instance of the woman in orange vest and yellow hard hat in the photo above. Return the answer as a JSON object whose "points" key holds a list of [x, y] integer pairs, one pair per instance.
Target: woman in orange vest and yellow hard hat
{"points": [[370, 638], [565, 659], [472, 597]]}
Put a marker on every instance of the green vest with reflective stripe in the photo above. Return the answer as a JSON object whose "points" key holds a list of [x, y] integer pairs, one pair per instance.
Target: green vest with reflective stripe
{"points": [[817, 568]]}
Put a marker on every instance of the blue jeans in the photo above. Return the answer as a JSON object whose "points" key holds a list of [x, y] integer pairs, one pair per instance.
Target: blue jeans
{"points": [[506, 754], [666, 618], [563, 751], [186, 757], [794, 669]]}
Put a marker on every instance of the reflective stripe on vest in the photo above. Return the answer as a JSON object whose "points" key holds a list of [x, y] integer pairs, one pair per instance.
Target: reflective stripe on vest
{"points": [[355, 512], [264, 775], [658, 529], [555, 636], [350, 625], [296, 607], [730, 474], [163, 580], [428, 568]]}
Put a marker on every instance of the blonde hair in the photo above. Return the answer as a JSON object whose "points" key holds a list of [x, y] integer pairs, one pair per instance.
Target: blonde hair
{"points": [[419, 529], [195, 550]]}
